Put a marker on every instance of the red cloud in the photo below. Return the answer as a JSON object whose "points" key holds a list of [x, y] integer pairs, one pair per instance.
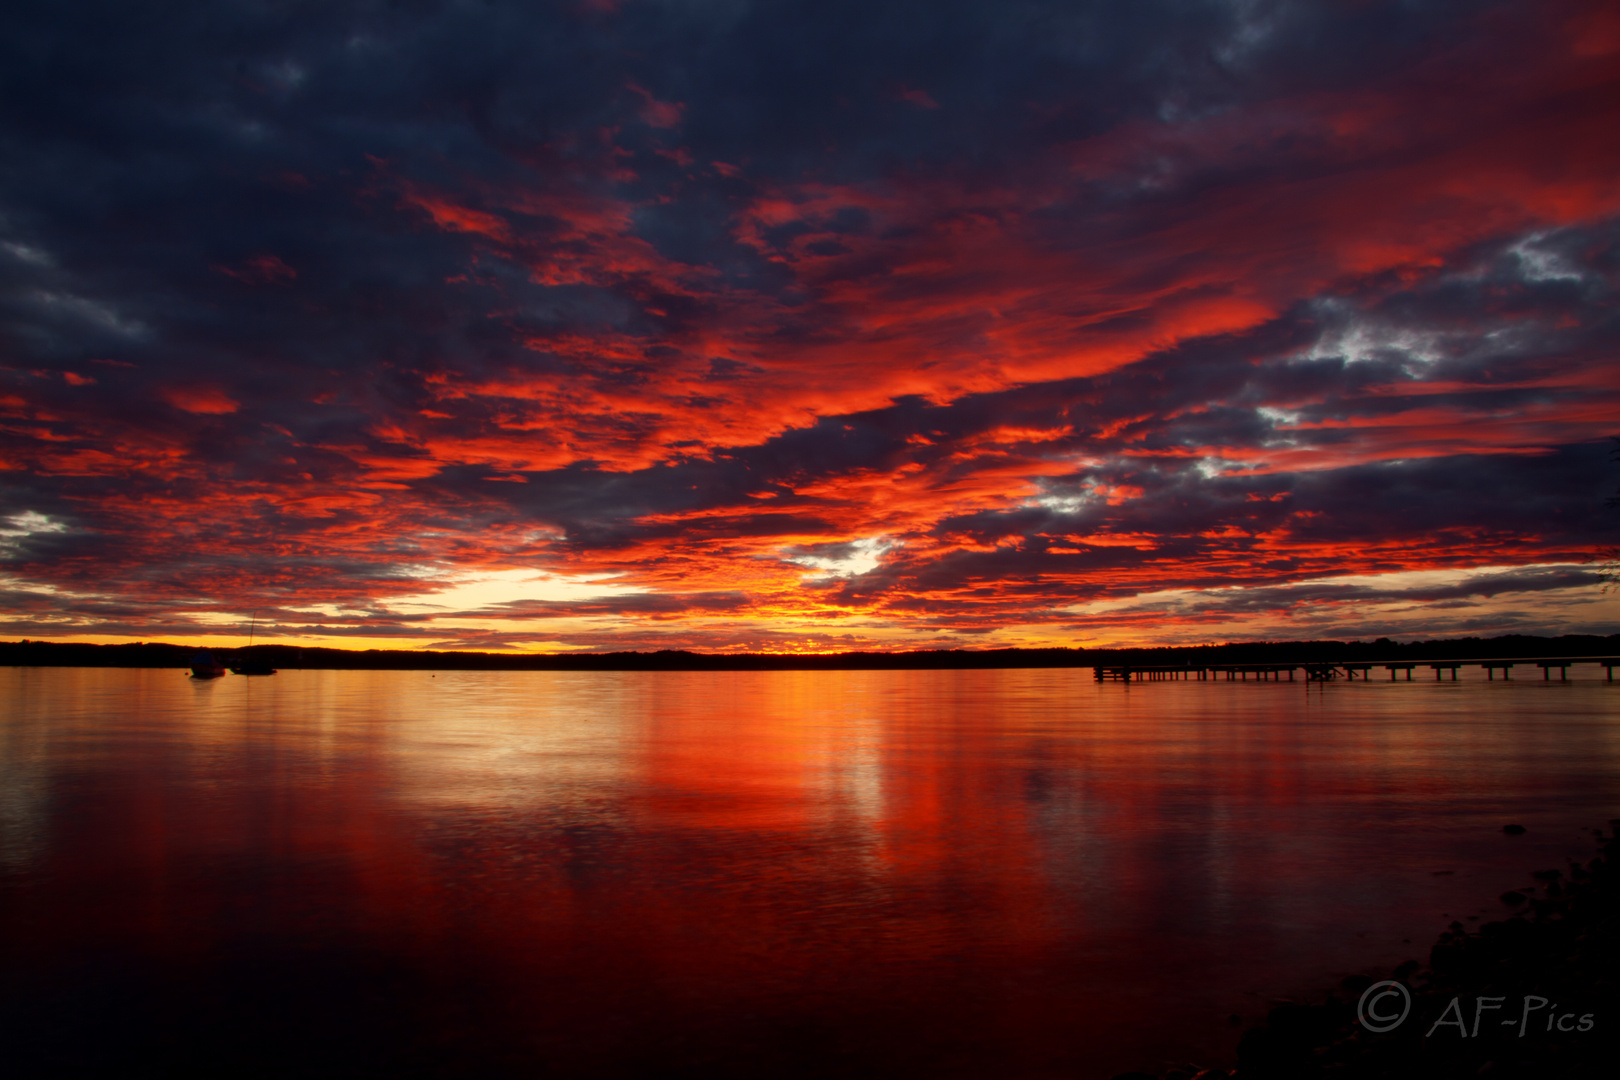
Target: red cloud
{"points": [[681, 391], [655, 113], [204, 400], [260, 270]]}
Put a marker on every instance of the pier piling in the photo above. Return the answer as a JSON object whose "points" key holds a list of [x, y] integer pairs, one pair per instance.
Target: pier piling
{"points": [[1327, 671]]}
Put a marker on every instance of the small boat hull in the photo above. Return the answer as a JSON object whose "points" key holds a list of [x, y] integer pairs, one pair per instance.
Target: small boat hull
{"points": [[204, 666]]}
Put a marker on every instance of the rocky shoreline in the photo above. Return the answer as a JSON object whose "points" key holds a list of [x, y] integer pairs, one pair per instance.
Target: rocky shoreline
{"points": [[1533, 995]]}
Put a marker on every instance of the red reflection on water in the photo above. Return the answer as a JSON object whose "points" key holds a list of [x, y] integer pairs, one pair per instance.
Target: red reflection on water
{"points": [[1015, 873]]}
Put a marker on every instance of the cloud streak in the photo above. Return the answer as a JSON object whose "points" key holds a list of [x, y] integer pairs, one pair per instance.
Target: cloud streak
{"points": [[800, 328]]}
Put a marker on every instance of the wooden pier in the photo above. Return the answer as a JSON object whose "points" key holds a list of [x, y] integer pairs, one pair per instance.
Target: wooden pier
{"points": [[1325, 671]]}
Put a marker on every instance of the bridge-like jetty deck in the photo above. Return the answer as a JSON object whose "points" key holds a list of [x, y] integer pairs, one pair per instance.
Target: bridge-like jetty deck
{"points": [[1326, 671]]}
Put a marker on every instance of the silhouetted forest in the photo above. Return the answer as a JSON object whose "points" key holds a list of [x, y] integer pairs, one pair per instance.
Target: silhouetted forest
{"points": [[164, 655]]}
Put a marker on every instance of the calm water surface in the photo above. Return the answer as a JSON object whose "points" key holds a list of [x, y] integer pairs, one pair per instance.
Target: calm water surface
{"points": [[940, 874]]}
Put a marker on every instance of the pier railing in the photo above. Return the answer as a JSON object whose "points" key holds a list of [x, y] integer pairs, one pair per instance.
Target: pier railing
{"points": [[1326, 671]]}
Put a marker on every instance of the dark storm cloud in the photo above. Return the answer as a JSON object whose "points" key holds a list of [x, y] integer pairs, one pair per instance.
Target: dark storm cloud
{"points": [[221, 185], [1214, 397], [1037, 301]]}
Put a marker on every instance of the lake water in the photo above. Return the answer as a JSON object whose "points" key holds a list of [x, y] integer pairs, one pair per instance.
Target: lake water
{"points": [[890, 874]]}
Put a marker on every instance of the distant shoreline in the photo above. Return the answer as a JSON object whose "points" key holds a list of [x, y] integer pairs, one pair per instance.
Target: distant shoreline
{"points": [[168, 655]]}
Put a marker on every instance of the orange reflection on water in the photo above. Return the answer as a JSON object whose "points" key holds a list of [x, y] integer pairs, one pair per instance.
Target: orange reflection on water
{"points": [[876, 873]]}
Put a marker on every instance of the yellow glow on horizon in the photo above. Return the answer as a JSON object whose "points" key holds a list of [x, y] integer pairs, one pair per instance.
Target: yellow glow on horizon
{"points": [[484, 589], [1507, 599]]}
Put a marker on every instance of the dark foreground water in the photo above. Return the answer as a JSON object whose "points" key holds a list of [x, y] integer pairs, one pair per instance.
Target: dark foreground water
{"points": [[775, 874]]}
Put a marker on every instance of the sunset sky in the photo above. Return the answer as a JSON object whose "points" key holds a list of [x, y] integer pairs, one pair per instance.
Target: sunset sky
{"points": [[807, 326]]}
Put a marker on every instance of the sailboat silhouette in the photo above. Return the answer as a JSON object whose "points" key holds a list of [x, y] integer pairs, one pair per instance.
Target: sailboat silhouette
{"points": [[251, 667]]}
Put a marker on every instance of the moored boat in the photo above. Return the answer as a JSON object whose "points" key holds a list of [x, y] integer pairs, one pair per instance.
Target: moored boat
{"points": [[204, 666], [252, 667]]}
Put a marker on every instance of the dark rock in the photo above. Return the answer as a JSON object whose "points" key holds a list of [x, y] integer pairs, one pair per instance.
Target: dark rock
{"points": [[1565, 948], [1514, 830]]}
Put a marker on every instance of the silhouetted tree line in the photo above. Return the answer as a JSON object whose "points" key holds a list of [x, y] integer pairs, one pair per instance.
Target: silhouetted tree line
{"points": [[167, 655]]}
